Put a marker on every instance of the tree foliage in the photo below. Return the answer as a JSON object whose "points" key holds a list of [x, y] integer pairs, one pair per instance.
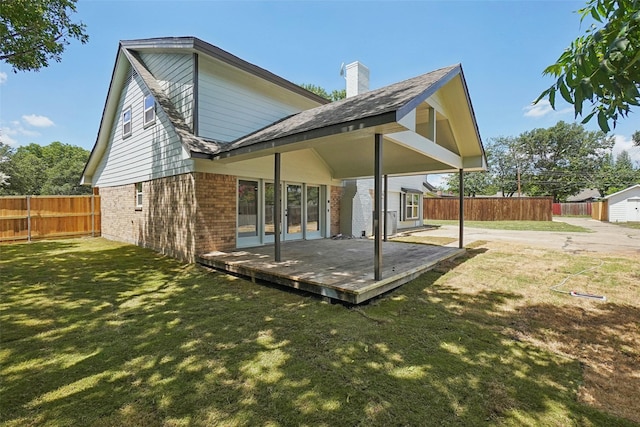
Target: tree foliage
{"points": [[559, 161], [36, 170], [34, 32], [335, 95], [602, 66]]}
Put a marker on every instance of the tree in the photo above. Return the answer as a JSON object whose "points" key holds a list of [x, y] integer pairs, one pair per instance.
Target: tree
{"points": [[603, 66], [636, 138], [562, 158], [33, 32], [335, 95], [52, 169], [506, 164], [475, 183]]}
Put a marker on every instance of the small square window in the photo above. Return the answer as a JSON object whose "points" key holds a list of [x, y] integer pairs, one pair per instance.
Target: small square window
{"points": [[139, 195], [126, 122], [149, 110]]}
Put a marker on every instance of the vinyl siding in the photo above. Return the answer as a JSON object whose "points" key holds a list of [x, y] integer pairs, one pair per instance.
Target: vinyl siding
{"points": [[174, 73], [618, 204], [232, 103], [149, 153]]}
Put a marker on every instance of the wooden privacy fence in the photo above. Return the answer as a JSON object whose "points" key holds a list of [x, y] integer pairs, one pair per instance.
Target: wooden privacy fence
{"points": [[576, 209], [599, 211], [40, 217], [490, 208]]}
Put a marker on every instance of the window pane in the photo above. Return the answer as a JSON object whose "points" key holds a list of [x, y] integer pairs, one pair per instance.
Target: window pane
{"points": [[247, 208], [269, 209], [313, 208], [294, 208], [149, 102]]}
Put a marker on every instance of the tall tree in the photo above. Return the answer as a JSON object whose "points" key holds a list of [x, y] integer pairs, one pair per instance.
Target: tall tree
{"points": [[561, 158], [602, 66], [636, 138], [53, 169], [34, 32], [507, 165]]}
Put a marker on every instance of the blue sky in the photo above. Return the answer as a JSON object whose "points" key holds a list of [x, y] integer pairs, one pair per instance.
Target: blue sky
{"points": [[503, 47]]}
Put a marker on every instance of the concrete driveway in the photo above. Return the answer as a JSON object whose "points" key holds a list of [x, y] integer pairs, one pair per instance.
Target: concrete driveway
{"points": [[604, 237]]}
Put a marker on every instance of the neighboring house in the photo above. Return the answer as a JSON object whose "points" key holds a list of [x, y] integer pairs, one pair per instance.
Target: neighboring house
{"points": [[193, 139], [624, 206], [586, 195]]}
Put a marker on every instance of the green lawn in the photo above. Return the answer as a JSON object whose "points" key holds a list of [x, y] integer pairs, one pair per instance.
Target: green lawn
{"points": [[514, 225], [99, 333], [635, 225]]}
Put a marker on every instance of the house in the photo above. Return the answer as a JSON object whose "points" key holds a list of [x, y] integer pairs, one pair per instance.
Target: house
{"points": [[624, 206], [199, 150], [586, 195]]}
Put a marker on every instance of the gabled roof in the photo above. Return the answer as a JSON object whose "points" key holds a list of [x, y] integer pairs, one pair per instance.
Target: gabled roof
{"points": [[127, 54], [623, 191], [385, 105]]}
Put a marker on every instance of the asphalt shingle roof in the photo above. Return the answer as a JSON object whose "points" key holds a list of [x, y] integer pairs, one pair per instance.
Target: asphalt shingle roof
{"points": [[404, 94]]}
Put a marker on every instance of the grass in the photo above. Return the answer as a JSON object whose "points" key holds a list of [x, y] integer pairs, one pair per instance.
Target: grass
{"points": [[514, 225], [635, 225], [100, 333]]}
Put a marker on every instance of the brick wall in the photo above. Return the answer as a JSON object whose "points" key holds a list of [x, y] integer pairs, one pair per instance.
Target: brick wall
{"points": [[216, 217], [181, 215], [120, 219], [335, 198]]}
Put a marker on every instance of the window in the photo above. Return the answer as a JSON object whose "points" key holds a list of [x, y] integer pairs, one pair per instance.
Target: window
{"points": [[126, 122], [149, 110], [411, 205], [139, 195]]}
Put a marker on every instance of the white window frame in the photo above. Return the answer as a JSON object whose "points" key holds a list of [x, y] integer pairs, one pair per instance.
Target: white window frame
{"points": [[151, 109], [139, 194], [411, 206], [126, 133]]}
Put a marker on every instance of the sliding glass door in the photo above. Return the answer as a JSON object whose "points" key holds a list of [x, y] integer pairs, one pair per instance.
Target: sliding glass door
{"points": [[301, 207]]}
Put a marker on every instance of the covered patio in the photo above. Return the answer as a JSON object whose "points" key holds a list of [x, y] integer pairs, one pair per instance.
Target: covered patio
{"points": [[338, 269], [418, 126]]}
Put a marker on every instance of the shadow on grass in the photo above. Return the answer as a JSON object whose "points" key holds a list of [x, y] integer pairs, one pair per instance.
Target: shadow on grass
{"points": [[107, 334]]}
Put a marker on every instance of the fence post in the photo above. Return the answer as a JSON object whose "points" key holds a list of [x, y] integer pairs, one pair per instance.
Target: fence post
{"points": [[28, 218]]}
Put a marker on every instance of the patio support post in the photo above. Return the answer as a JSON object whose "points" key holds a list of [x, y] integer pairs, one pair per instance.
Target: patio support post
{"points": [[386, 206], [461, 213], [377, 224], [277, 206]]}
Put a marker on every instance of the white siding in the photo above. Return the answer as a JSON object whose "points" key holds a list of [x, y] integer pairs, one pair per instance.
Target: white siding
{"points": [[232, 103], [149, 153], [174, 73], [619, 205]]}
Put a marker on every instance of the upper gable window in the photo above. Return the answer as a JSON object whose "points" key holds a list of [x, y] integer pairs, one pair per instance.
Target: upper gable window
{"points": [[149, 110], [126, 122]]}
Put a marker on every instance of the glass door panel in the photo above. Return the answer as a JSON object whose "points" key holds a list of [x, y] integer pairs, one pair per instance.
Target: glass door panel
{"points": [[248, 212], [293, 211], [313, 215], [269, 212]]}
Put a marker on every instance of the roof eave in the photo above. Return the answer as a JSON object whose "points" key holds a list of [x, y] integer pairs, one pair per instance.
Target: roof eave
{"points": [[331, 130]]}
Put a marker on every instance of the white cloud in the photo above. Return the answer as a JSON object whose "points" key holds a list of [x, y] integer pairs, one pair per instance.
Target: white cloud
{"points": [[3, 77], [38, 121], [6, 138], [625, 143], [10, 134], [543, 108]]}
